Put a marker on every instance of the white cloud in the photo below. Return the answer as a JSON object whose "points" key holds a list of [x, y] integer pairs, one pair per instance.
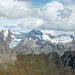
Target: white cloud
{"points": [[50, 13], [31, 23], [66, 1], [44, 18], [65, 13], [15, 9]]}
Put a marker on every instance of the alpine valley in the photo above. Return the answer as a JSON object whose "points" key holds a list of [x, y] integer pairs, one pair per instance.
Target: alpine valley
{"points": [[36, 53]]}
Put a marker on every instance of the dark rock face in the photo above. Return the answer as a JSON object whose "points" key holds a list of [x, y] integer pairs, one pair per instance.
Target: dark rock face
{"points": [[69, 59]]}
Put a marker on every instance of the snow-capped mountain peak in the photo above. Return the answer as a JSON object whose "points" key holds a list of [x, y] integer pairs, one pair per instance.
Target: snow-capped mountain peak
{"points": [[36, 40], [36, 31], [34, 34], [7, 35], [6, 32], [13, 38]]}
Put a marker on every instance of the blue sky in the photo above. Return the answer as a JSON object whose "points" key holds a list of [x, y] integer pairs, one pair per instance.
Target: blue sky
{"points": [[39, 3]]}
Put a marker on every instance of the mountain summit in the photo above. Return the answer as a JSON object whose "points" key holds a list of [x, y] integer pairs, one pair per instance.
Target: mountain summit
{"points": [[37, 41], [34, 34]]}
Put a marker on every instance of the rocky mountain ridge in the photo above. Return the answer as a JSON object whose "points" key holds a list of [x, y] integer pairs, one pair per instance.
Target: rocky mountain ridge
{"points": [[37, 42]]}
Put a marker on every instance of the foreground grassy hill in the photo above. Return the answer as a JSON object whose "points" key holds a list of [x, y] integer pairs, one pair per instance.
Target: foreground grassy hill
{"points": [[41, 64]]}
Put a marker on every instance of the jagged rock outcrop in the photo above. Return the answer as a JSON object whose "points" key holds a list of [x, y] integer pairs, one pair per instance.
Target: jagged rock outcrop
{"points": [[6, 36]]}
